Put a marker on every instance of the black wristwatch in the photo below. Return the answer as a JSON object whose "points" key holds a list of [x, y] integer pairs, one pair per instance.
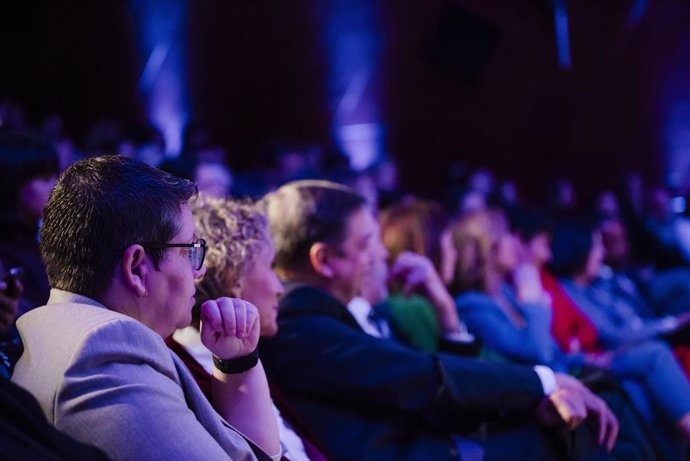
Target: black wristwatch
{"points": [[238, 365]]}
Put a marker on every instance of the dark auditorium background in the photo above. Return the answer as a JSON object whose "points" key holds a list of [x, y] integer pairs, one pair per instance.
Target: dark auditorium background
{"points": [[440, 81]]}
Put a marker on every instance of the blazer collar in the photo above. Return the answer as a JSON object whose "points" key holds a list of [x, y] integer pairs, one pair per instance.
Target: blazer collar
{"points": [[67, 297], [302, 299]]}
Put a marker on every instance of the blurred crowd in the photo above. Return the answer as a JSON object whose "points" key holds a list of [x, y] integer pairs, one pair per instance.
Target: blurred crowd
{"points": [[596, 289]]}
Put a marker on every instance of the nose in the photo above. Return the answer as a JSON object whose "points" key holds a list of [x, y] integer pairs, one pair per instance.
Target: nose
{"points": [[280, 289]]}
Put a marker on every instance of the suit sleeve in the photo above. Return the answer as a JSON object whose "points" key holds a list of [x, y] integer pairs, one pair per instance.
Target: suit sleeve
{"points": [[122, 389], [327, 359]]}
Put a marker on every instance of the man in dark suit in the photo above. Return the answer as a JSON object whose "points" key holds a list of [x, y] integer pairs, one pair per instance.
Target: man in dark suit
{"points": [[370, 398]]}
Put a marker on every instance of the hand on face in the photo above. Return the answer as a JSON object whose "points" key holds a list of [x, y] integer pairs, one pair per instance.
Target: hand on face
{"points": [[415, 272], [528, 284], [229, 327]]}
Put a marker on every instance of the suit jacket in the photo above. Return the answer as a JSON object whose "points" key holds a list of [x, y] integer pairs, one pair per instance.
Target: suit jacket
{"points": [[110, 381], [367, 398]]}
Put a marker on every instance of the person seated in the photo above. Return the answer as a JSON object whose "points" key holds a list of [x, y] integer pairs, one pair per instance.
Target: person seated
{"points": [[421, 314], [651, 292], [576, 333], [570, 327], [578, 255], [371, 398], [577, 258], [121, 255], [238, 264], [503, 302], [11, 290], [29, 170], [667, 233], [417, 305]]}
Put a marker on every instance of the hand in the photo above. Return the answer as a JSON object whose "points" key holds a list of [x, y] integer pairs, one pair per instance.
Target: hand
{"points": [[417, 273], [229, 327], [9, 304], [600, 360], [572, 403], [528, 285]]}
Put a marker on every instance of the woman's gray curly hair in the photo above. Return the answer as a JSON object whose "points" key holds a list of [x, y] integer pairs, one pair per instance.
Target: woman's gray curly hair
{"points": [[235, 231]]}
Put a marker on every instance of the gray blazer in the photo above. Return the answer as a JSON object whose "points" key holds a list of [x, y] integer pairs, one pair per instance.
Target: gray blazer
{"points": [[110, 381]]}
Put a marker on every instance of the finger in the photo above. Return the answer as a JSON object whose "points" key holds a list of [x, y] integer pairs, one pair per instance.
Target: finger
{"points": [[211, 322], [603, 425], [241, 318], [603, 415], [227, 309], [253, 319], [613, 431], [609, 427], [210, 315]]}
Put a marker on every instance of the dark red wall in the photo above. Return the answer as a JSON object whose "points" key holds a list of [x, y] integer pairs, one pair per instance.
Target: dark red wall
{"points": [[257, 71]]}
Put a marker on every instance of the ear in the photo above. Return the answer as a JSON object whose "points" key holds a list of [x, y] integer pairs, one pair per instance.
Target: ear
{"points": [[135, 269], [320, 260]]}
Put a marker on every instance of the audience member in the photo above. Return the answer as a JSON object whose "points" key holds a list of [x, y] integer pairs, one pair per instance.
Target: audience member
{"points": [[238, 264], [514, 319], [413, 233], [668, 232], [29, 169], [11, 291], [121, 256], [652, 292], [411, 407], [213, 179], [578, 254]]}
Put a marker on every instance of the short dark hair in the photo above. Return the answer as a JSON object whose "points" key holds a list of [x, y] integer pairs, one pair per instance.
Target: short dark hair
{"points": [[571, 244], [302, 213], [99, 207], [22, 158]]}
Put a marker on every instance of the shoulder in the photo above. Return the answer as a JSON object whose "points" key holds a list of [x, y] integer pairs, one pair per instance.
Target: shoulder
{"points": [[62, 337], [75, 323]]}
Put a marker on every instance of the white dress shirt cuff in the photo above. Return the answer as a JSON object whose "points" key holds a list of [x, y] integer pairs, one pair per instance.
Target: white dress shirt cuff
{"points": [[547, 378]]}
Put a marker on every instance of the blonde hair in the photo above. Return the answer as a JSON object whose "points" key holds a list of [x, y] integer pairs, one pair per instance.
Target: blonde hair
{"points": [[235, 231], [475, 236]]}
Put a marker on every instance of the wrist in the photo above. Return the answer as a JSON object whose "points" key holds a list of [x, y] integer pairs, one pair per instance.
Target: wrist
{"points": [[238, 364]]}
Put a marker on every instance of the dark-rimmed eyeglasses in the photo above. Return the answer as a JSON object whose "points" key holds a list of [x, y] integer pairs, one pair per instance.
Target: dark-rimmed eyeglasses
{"points": [[197, 251]]}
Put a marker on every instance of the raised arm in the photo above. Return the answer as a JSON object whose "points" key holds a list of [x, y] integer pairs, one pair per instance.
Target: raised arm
{"points": [[417, 274], [230, 330]]}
